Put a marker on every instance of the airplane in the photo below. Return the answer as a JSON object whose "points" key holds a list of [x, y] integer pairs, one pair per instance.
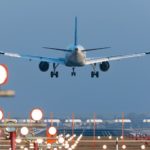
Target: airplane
{"points": [[75, 57]]}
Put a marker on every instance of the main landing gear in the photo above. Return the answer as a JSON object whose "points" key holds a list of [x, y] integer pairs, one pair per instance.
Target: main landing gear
{"points": [[94, 73], [54, 72], [73, 73]]}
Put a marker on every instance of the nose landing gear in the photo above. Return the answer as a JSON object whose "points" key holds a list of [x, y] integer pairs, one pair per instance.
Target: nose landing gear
{"points": [[73, 73]]}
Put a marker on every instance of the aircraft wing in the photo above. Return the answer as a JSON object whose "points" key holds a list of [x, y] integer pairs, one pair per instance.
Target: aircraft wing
{"points": [[114, 58], [37, 58]]}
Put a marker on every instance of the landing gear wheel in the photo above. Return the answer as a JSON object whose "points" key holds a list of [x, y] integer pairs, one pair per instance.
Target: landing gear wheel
{"points": [[94, 73], [73, 73], [52, 74], [97, 74], [56, 74]]}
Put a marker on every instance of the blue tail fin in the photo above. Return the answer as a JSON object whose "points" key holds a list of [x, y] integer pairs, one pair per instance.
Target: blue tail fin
{"points": [[75, 33]]}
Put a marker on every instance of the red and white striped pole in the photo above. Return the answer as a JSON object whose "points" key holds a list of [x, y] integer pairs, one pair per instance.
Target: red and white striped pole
{"points": [[35, 146], [13, 140]]}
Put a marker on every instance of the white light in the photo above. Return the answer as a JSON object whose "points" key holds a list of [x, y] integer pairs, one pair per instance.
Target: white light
{"points": [[124, 147], [110, 137], [99, 137], [74, 135], [121, 137], [31, 146], [61, 140], [143, 146], [3, 74], [52, 130], [21, 146], [36, 114], [48, 146], [104, 146], [55, 148], [73, 147], [24, 131], [25, 148], [39, 141], [1, 115], [68, 135], [66, 146], [18, 140]]}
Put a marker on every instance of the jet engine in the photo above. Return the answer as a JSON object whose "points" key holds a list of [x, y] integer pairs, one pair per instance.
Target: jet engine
{"points": [[104, 66], [44, 66]]}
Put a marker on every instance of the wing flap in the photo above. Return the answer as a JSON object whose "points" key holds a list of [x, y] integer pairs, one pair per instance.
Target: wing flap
{"points": [[115, 58], [36, 58]]}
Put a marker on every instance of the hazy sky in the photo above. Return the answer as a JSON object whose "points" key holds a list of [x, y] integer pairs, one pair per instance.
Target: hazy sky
{"points": [[26, 26]]}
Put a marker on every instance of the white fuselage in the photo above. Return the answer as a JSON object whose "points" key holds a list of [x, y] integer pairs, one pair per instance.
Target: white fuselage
{"points": [[76, 58]]}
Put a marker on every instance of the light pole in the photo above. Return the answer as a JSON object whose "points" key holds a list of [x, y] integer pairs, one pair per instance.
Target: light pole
{"points": [[35, 146], [117, 144], [13, 140]]}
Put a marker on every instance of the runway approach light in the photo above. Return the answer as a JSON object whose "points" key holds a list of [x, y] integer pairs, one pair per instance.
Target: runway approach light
{"points": [[94, 121], [104, 146], [3, 81], [122, 120], [18, 140], [48, 146], [24, 131], [146, 121], [37, 114], [3, 74], [52, 130], [124, 147], [1, 115], [66, 145], [143, 146], [61, 140], [39, 140]]}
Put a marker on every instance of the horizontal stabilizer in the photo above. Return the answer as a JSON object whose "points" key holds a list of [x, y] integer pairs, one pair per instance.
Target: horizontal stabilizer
{"points": [[58, 49], [93, 49]]}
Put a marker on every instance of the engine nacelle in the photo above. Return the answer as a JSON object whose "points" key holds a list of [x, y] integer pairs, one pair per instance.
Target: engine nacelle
{"points": [[104, 66], [44, 66]]}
